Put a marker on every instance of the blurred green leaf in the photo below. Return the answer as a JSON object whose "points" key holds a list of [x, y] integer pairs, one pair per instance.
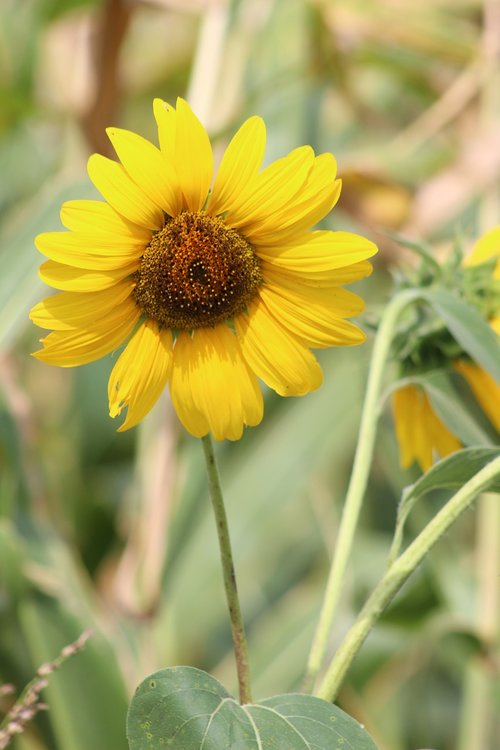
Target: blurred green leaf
{"points": [[453, 472], [468, 327], [86, 697], [19, 283], [192, 709]]}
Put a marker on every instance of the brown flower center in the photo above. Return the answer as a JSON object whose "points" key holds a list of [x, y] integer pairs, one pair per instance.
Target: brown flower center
{"points": [[196, 272]]}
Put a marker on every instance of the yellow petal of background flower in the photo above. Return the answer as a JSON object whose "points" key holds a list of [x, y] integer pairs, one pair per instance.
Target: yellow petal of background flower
{"points": [[71, 279], [495, 324], [212, 388], [486, 247], [69, 310], [437, 433], [421, 437], [402, 411], [272, 189], [275, 356], [89, 216], [484, 387], [239, 166], [78, 347], [122, 194], [148, 168], [89, 251], [419, 430], [194, 161], [140, 373]]}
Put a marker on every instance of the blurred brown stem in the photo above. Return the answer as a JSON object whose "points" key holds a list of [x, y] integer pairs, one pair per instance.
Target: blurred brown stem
{"points": [[112, 29]]}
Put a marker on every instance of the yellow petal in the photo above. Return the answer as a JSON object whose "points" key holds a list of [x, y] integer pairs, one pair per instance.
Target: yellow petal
{"points": [[439, 436], [166, 120], [276, 356], [293, 279], [81, 250], [148, 168], [402, 410], [317, 198], [69, 310], [78, 347], [140, 373], [422, 438], [495, 324], [72, 279], [316, 324], [96, 216], [273, 188], [122, 194], [487, 247], [194, 161], [319, 252], [239, 166], [484, 387], [212, 388]]}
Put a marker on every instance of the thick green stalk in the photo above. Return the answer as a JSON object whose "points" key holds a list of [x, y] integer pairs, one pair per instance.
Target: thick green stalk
{"points": [[226, 556], [397, 574], [359, 478]]}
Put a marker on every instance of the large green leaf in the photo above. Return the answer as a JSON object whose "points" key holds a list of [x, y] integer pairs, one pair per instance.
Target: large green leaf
{"points": [[468, 327], [188, 709]]}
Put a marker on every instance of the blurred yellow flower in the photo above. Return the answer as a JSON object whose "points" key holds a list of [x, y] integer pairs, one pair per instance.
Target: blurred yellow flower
{"points": [[484, 387], [218, 284], [420, 432], [486, 248]]}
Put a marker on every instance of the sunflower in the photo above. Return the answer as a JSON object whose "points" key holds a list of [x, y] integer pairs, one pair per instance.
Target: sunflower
{"points": [[420, 432], [210, 286]]}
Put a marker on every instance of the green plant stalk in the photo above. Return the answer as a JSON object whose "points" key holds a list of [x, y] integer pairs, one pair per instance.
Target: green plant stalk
{"points": [[398, 573], [358, 481], [226, 556]]}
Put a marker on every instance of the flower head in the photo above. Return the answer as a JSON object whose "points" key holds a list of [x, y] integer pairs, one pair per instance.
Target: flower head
{"points": [[422, 435], [210, 286]]}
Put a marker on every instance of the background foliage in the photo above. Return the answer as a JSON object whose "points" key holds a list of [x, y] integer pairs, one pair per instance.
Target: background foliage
{"points": [[113, 532]]}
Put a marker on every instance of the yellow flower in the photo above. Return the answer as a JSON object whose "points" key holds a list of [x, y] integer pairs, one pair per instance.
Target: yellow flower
{"points": [[486, 248], [420, 432], [484, 387], [219, 284]]}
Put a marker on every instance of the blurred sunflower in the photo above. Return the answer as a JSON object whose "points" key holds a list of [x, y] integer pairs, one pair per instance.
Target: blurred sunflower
{"points": [[216, 286], [421, 434]]}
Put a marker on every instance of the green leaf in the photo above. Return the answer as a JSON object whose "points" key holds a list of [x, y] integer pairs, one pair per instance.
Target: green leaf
{"points": [[188, 709], [447, 405], [450, 473], [453, 472], [468, 327]]}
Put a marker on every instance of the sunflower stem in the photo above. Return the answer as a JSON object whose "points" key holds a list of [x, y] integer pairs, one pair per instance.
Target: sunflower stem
{"points": [[358, 481], [226, 555], [398, 573]]}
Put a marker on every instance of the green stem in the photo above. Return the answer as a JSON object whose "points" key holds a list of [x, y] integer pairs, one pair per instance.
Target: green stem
{"points": [[237, 627], [359, 478], [397, 574]]}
